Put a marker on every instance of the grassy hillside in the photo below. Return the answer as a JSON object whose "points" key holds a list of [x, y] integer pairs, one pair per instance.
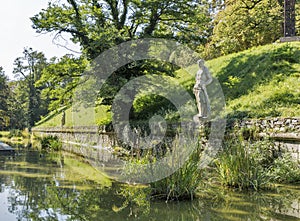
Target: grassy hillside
{"points": [[261, 82], [86, 117], [257, 83]]}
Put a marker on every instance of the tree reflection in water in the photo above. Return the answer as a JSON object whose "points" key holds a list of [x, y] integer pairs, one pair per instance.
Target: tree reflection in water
{"points": [[57, 187]]}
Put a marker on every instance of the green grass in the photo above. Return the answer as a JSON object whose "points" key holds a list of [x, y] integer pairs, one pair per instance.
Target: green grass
{"points": [[52, 115], [260, 82], [84, 117]]}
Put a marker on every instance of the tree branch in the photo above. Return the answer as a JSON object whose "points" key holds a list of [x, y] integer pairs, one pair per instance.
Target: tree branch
{"points": [[124, 14], [113, 4], [75, 7]]}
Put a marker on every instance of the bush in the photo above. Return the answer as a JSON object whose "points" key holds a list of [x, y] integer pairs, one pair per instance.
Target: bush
{"points": [[51, 142], [285, 170], [238, 167], [15, 133], [254, 165]]}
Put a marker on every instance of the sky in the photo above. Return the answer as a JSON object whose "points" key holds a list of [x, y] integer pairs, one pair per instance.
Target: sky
{"points": [[16, 33]]}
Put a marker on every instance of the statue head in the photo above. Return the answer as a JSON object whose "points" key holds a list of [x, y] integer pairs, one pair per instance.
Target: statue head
{"points": [[200, 63]]}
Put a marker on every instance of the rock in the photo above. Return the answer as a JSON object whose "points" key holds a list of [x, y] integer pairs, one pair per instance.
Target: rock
{"points": [[5, 148], [276, 128], [279, 122], [282, 129]]}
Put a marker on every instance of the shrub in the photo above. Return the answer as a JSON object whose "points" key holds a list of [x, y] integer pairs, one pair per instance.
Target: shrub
{"points": [[254, 165], [51, 142], [15, 133], [285, 170]]}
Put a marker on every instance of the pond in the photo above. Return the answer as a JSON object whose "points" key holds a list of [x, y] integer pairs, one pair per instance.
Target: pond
{"points": [[61, 186]]}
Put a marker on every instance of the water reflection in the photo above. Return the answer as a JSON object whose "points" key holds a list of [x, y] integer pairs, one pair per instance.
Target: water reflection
{"points": [[52, 186]]}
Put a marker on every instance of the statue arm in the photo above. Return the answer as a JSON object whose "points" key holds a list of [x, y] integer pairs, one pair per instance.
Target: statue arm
{"points": [[209, 77]]}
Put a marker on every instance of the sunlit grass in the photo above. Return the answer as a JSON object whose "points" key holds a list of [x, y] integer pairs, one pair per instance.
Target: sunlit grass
{"points": [[260, 82], [84, 117], [276, 98]]}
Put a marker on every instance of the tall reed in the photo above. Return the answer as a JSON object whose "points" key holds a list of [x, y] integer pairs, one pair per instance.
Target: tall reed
{"points": [[184, 183], [240, 165]]}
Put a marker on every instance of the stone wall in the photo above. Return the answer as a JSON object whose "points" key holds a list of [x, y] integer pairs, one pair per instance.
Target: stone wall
{"points": [[274, 125], [285, 131], [79, 139]]}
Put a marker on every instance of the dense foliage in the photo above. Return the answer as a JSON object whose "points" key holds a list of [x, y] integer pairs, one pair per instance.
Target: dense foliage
{"points": [[212, 28], [244, 24], [97, 26], [28, 69], [4, 101], [254, 164]]}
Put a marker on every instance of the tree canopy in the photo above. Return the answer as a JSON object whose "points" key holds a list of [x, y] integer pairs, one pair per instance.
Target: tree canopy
{"points": [[212, 28], [243, 24], [98, 25], [28, 69]]}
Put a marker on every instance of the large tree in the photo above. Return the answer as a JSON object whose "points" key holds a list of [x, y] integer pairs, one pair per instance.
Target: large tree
{"points": [[28, 70], [98, 25], [4, 101], [242, 24], [60, 78]]}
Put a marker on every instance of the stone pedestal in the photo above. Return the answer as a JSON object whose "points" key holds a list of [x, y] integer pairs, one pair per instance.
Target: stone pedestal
{"points": [[289, 39]]}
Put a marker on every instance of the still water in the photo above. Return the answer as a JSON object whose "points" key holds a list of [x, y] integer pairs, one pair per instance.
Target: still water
{"points": [[52, 186]]}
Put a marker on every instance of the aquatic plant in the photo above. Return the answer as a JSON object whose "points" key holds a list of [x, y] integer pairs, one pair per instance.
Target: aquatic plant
{"points": [[51, 142], [237, 166], [184, 183], [181, 184], [254, 164]]}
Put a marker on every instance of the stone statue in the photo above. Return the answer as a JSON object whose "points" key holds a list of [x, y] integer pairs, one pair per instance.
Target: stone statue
{"points": [[63, 119], [203, 78]]}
